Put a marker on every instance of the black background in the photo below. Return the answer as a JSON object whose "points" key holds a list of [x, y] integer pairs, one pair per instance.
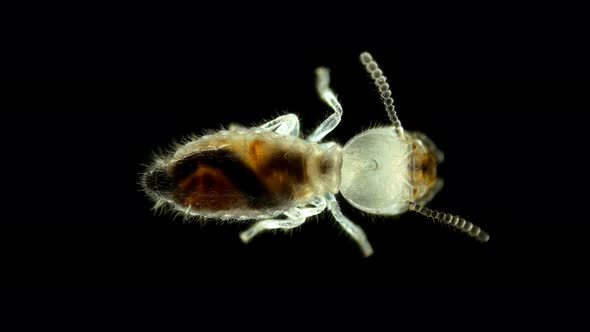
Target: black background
{"points": [[509, 117]]}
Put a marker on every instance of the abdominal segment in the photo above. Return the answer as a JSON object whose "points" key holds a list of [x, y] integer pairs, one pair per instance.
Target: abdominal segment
{"points": [[217, 180], [248, 175]]}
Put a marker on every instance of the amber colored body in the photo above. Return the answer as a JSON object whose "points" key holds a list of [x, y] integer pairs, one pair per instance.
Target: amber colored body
{"points": [[422, 168], [247, 173]]}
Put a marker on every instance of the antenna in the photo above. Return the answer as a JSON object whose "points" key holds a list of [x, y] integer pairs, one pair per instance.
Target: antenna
{"points": [[381, 82], [452, 220]]}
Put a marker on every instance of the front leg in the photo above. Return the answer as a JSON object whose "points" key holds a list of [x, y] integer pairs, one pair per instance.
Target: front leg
{"points": [[327, 95], [351, 228]]}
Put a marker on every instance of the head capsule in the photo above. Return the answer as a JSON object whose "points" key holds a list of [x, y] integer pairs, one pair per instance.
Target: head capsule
{"points": [[381, 172], [375, 176]]}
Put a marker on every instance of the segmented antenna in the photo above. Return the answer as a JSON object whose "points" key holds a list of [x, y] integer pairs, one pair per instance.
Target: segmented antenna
{"points": [[381, 82], [449, 219]]}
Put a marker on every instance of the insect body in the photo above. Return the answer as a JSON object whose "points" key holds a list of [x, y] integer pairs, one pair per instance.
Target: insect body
{"points": [[271, 175], [245, 174]]}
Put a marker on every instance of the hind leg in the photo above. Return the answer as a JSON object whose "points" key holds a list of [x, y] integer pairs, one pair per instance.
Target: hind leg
{"points": [[287, 124], [294, 218], [268, 224]]}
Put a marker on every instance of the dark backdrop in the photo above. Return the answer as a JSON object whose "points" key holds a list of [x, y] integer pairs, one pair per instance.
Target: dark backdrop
{"points": [[510, 122]]}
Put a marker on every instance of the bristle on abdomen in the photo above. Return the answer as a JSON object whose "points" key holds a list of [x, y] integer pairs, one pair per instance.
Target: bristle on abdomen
{"points": [[242, 174]]}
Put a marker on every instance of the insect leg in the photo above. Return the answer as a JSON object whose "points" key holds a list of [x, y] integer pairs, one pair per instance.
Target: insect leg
{"points": [[287, 124], [327, 95], [351, 228], [318, 204], [295, 217], [267, 224]]}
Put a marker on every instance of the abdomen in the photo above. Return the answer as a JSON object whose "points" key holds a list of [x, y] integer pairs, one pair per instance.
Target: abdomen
{"points": [[242, 174]]}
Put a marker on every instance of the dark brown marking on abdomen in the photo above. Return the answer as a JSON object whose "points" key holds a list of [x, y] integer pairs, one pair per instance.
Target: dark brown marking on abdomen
{"points": [[283, 172], [218, 180]]}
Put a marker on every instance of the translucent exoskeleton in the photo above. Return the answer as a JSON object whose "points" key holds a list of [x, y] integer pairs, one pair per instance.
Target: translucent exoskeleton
{"points": [[270, 175]]}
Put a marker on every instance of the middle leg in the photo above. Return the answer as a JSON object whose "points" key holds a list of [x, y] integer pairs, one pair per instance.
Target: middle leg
{"points": [[327, 95]]}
